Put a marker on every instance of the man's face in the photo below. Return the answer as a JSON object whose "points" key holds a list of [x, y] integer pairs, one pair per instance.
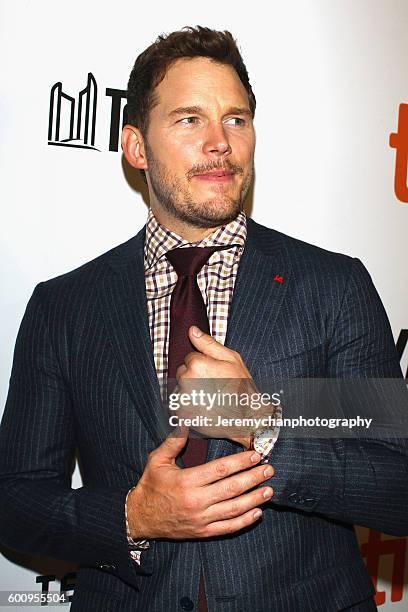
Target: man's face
{"points": [[200, 144]]}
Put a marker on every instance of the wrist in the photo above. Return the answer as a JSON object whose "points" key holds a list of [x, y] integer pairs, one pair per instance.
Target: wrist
{"points": [[134, 515]]}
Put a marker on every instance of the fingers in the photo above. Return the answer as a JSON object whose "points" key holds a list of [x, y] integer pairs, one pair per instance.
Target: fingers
{"points": [[171, 446], [221, 468], [232, 525], [235, 485], [239, 505]]}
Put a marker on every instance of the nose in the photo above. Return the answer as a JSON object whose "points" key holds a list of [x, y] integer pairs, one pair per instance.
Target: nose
{"points": [[216, 140]]}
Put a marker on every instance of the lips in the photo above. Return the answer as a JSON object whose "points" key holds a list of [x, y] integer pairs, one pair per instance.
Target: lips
{"points": [[216, 175]]}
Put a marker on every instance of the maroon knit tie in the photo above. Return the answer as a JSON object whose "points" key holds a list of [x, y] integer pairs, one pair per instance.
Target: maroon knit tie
{"points": [[187, 308]]}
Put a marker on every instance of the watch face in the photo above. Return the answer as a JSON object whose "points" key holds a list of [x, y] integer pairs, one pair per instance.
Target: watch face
{"points": [[264, 440]]}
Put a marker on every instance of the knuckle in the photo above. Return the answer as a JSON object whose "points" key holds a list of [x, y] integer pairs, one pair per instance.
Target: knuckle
{"points": [[193, 370], [190, 502], [232, 488], [195, 365], [237, 356], [234, 510], [203, 531], [231, 527], [151, 456], [221, 469]]}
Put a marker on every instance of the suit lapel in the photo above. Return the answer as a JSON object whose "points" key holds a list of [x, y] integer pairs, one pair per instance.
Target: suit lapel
{"points": [[257, 300], [123, 300]]}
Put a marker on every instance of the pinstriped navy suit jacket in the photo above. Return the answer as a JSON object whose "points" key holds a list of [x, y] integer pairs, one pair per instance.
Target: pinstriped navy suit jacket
{"points": [[83, 377]]}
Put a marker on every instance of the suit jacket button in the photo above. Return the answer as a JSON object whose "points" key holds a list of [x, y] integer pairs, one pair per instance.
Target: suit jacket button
{"points": [[186, 603], [107, 567], [309, 502], [294, 498]]}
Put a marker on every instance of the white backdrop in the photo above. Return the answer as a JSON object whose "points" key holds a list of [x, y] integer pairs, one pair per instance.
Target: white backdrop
{"points": [[329, 77]]}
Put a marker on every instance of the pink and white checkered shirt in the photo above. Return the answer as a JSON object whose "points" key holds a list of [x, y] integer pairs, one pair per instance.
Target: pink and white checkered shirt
{"points": [[216, 281]]}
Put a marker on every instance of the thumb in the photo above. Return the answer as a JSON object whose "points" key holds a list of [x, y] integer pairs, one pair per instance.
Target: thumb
{"points": [[173, 444], [206, 344]]}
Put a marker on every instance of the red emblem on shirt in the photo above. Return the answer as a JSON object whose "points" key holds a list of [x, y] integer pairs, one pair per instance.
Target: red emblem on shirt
{"points": [[278, 278]]}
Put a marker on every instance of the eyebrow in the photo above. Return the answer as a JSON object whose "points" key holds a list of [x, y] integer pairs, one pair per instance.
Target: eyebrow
{"points": [[197, 110]]}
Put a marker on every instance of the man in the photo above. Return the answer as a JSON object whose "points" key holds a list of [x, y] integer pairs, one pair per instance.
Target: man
{"points": [[226, 531]]}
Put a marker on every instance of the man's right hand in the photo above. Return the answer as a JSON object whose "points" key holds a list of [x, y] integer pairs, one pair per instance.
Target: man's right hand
{"points": [[196, 502]]}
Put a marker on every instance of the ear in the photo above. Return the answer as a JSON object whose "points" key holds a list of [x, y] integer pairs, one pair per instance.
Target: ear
{"points": [[133, 147]]}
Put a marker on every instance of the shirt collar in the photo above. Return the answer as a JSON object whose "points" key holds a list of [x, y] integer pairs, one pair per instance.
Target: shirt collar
{"points": [[159, 239]]}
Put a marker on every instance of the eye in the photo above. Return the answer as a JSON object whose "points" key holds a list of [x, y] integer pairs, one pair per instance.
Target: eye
{"points": [[188, 120], [239, 120]]}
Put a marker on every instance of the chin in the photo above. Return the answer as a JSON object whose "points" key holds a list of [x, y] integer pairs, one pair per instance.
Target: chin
{"points": [[213, 213]]}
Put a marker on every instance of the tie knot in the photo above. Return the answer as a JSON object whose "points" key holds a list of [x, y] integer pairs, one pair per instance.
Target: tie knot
{"points": [[189, 261]]}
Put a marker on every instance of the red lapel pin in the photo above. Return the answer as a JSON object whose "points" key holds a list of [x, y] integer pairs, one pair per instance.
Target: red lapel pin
{"points": [[278, 278]]}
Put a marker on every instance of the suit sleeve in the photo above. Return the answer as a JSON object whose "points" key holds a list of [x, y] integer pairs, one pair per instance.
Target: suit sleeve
{"points": [[359, 481], [39, 511]]}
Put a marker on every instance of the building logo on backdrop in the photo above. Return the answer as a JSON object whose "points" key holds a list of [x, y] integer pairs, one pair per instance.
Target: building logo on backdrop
{"points": [[399, 142], [72, 121]]}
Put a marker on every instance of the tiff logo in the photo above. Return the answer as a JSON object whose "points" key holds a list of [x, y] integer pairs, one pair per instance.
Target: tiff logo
{"points": [[374, 551], [68, 582], [399, 142], [72, 122]]}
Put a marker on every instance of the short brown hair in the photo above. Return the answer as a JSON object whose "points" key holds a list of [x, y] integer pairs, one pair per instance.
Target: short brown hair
{"points": [[151, 66]]}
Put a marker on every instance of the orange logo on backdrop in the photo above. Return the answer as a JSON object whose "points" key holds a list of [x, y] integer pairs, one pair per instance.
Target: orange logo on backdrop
{"points": [[396, 549], [399, 142]]}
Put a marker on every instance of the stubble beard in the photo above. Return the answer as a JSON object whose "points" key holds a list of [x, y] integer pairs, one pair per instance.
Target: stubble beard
{"points": [[177, 200]]}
